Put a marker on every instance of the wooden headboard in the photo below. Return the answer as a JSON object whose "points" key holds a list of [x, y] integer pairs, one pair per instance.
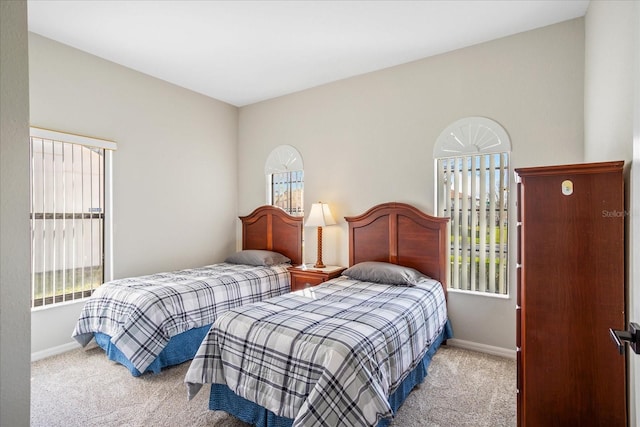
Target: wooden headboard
{"points": [[271, 228], [400, 234]]}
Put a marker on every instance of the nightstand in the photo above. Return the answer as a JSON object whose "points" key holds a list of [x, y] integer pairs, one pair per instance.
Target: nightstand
{"points": [[301, 276]]}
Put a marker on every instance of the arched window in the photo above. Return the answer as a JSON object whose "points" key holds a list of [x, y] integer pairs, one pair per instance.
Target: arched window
{"points": [[472, 176], [285, 179]]}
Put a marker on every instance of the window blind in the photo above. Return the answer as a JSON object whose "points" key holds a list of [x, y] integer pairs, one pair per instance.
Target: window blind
{"points": [[287, 190], [68, 205], [473, 192]]}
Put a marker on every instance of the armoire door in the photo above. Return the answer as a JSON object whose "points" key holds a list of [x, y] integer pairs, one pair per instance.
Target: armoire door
{"points": [[571, 291]]}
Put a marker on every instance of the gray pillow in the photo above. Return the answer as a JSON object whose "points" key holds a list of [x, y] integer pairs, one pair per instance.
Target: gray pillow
{"points": [[257, 257], [384, 272]]}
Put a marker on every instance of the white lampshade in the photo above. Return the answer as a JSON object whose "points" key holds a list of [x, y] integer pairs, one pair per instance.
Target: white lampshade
{"points": [[319, 216]]}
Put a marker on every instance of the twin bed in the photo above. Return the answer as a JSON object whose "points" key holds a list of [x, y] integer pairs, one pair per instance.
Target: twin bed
{"points": [[346, 352], [151, 322]]}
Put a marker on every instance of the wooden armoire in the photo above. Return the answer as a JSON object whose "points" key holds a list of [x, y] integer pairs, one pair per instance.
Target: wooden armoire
{"points": [[570, 291]]}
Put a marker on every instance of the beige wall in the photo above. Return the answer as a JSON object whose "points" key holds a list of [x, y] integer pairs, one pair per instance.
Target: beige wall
{"points": [[609, 77], [14, 216], [612, 128], [175, 170], [369, 139]]}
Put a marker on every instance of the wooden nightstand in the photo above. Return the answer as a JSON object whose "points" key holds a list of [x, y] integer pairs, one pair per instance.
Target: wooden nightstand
{"points": [[301, 277]]}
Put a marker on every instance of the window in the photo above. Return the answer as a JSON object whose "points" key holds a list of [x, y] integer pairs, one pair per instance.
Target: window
{"points": [[285, 179], [69, 186], [286, 191], [472, 170]]}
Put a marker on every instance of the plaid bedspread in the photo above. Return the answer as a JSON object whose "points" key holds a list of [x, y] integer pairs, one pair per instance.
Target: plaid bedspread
{"points": [[141, 314], [328, 355]]}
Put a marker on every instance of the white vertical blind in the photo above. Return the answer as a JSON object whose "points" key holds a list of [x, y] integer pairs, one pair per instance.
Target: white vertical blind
{"points": [[287, 191], [504, 221], [474, 229], [472, 191], [67, 215]]}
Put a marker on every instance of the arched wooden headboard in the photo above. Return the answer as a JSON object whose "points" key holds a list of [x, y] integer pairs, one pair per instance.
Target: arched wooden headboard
{"points": [[401, 234], [271, 228]]}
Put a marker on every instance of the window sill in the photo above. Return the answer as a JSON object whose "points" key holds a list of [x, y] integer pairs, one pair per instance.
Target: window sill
{"points": [[479, 293]]}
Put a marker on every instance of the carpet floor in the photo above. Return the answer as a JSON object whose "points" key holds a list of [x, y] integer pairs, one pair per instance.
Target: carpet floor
{"points": [[83, 388]]}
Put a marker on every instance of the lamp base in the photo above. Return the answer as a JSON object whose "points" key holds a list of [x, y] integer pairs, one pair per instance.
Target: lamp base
{"points": [[319, 263]]}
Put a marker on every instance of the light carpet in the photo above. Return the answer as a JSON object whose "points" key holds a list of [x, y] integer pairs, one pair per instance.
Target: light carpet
{"points": [[83, 388]]}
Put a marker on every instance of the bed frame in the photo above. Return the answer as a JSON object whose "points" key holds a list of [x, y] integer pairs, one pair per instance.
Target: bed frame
{"points": [[401, 234], [271, 228]]}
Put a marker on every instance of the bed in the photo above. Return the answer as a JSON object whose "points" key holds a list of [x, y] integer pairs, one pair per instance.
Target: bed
{"points": [[151, 322], [346, 352]]}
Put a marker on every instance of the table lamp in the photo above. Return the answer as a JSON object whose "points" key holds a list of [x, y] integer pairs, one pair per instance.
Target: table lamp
{"points": [[319, 216]]}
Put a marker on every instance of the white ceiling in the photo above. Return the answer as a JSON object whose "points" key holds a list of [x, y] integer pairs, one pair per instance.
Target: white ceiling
{"points": [[243, 52]]}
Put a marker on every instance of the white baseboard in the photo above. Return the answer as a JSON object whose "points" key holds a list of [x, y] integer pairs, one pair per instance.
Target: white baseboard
{"points": [[467, 345], [482, 348], [55, 350]]}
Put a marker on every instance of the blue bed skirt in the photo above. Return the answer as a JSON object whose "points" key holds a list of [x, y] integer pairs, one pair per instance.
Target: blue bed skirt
{"points": [[181, 348], [222, 398]]}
